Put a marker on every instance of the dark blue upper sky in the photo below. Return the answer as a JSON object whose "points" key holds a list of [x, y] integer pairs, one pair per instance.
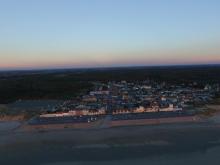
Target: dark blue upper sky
{"points": [[90, 33]]}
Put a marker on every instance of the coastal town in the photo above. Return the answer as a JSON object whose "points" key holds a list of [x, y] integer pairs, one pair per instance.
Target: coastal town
{"points": [[139, 100]]}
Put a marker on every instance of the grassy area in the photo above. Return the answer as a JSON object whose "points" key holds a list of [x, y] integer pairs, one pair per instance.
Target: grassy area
{"points": [[211, 109], [216, 101], [4, 110], [209, 112]]}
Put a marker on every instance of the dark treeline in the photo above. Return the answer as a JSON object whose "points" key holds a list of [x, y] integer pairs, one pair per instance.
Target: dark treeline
{"points": [[172, 74], [65, 84], [40, 86]]}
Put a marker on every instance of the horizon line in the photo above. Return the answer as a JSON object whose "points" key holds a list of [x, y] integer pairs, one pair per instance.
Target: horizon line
{"points": [[107, 67]]}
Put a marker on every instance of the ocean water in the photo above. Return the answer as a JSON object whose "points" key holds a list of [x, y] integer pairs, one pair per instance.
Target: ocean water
{"points": [[113, 156], [210, 156], [151, 147]]}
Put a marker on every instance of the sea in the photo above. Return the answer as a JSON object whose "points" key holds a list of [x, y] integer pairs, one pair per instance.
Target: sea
{"points": [[112, 156], [197, 146]]}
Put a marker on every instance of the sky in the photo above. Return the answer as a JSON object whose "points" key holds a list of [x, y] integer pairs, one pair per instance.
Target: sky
{"points": [[107, 33]]}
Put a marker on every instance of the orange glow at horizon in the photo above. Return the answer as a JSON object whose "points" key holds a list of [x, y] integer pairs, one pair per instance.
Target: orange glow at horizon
{"points": [[191, 54]]}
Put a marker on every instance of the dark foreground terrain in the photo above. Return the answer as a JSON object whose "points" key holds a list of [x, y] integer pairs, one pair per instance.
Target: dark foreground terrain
{"points": [[154, 145], [186, 143], [70, 83]]}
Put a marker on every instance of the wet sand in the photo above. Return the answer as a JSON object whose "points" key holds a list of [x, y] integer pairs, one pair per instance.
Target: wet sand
{"points": [[126, 134], [211, 156], [9, 125]]}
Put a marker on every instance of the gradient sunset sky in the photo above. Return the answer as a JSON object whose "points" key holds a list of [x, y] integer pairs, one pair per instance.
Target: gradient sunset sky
{"points": [[105, 33]]}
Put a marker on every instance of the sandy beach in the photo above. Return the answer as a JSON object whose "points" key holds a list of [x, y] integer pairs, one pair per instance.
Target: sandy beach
{"points": [[93, 134], [155, 121], [106, 122]]}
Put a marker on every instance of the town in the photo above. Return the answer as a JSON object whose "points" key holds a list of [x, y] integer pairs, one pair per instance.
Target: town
{"points": [[132, 101]]}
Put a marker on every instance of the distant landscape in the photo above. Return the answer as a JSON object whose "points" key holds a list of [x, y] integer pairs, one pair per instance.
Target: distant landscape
{"points": [[70, 83]]}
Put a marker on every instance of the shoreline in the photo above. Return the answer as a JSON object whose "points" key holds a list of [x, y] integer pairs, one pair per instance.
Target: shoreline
{"points": [[139, 140], [111, 137], [158, 121], [106, 123]]}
